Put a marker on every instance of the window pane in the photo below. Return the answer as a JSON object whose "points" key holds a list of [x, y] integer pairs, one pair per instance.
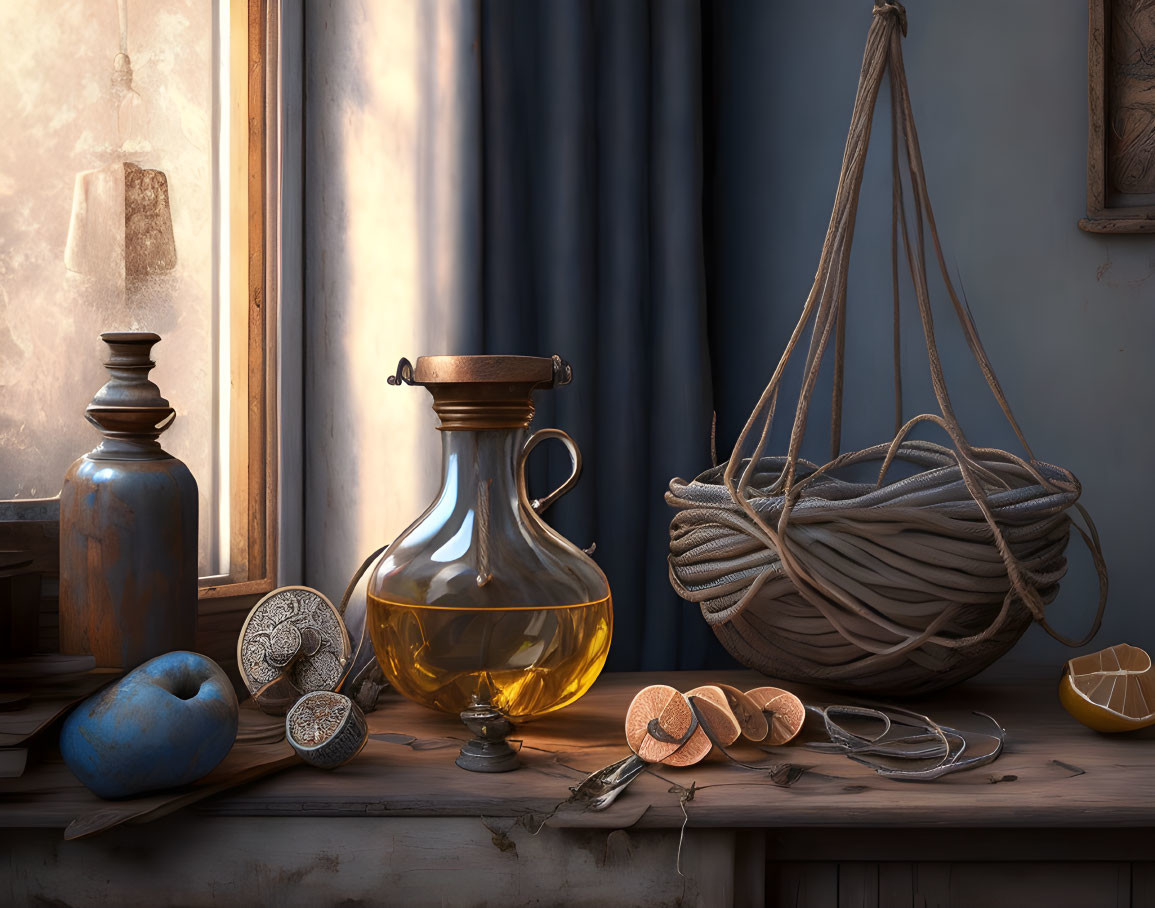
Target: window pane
{"points": [[73, 117]]}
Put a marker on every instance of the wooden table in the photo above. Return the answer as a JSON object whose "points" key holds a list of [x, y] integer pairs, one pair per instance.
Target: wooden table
{"points": [[1064, 817]]}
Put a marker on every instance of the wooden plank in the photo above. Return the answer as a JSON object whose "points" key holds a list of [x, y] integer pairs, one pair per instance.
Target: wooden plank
{"points": [[52, 669], [13, 761], [1012, 885], [34, 527], [896, 884], [1120, 224], [43, 794], [931, 885], [217, 634], [49, 698], [240, 214], [1143, 884], [881, 845], [253, 450], [20, 727], [1098, 781], [20, 604], [196, 861], [287, 271], [40, 537], [802, 885], [1096, 108], [244, 763], [259, 407], [749, 868], [858, 885], [407, 769]]}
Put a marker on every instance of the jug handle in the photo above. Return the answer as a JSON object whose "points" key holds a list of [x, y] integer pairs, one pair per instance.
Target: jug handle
{"points": [[539, 505]]}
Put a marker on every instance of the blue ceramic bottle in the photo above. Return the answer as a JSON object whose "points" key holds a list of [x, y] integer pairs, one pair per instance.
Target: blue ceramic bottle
{"points": [[128, 524]]}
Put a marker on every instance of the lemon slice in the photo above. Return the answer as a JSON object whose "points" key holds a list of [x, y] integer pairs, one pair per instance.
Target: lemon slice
{"points": [[1111, 690]]}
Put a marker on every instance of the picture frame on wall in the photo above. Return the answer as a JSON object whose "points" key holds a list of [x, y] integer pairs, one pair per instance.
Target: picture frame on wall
{"points": [[1121, 134]]}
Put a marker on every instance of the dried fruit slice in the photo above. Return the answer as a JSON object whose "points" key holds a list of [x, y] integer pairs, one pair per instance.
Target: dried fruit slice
{"points": [[1111, 690], [746, 711], [647, 704], [657, 722], [714, 711], [693, 751], [787, 712]]}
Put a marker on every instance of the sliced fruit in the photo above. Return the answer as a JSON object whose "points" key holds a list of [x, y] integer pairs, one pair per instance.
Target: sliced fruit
{"points": [[746, 711], [1111, 690], [715, 713], [658, 725], [693, 751], [784, 710], [650, 703]]}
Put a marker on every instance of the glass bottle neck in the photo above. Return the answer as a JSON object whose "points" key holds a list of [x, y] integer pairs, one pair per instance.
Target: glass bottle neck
{"points": [[480, 462]]}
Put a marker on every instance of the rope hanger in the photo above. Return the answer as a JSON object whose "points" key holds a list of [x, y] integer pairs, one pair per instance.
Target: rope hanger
{"points": [[861, 560]]}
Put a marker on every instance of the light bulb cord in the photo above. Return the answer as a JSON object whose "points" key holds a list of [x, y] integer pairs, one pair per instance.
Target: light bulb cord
{"points": [[122, 16]]}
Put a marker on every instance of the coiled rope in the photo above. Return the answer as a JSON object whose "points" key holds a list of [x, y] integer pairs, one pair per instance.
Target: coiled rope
{"points": [[896, 586]]}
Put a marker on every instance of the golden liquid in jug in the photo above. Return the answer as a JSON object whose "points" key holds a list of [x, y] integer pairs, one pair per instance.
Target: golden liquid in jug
{"points": [[525, 661]]}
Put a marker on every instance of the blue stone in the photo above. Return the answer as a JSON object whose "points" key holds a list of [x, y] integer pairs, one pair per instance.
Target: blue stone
{"points": [[164, 724]]}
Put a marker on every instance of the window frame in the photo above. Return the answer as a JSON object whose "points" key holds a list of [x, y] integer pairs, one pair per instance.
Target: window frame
{"points": [[253, 438], [265, 432]]}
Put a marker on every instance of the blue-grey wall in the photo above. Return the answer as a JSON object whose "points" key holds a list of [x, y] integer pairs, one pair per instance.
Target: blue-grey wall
{"points": [[1068, 318]]}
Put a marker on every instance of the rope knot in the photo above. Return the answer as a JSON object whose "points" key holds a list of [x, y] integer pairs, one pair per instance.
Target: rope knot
{"points": [[893, 8]]}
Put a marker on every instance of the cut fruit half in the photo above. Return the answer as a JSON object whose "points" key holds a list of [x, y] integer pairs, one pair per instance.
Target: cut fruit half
{"points": [[1111, 690], [714, 712], [661, 728], [749, 716], [784, 711]]}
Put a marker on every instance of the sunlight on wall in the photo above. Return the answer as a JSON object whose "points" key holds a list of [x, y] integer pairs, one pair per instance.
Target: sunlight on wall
{"points": [[383, 154]]}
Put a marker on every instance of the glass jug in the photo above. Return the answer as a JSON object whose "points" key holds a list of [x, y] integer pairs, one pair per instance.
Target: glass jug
{"points": [[480, 601]]}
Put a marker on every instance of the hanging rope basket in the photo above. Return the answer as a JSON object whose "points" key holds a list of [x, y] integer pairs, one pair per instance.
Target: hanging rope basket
{"points": [[902, 585]]}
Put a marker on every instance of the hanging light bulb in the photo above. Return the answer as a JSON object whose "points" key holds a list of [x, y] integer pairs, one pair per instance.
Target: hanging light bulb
{"points": [[131, 113], [121, 224]]}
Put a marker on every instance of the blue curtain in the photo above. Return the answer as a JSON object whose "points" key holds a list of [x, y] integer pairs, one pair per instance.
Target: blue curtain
{"points": [[593, 247]]}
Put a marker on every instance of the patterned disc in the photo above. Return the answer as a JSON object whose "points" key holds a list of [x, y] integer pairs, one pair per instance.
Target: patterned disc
{"points": [[272, 633], [318, 719]]}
